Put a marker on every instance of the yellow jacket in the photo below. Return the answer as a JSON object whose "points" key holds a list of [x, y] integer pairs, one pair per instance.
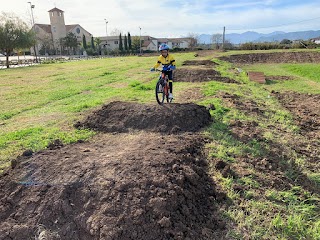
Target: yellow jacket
{"points": [[165, 61]]}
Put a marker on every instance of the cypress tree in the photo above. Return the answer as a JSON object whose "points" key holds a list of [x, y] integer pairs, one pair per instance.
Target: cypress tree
{"points": [[84, 42], [120, 43], [92, 43], [125, 43], [129, 41]]}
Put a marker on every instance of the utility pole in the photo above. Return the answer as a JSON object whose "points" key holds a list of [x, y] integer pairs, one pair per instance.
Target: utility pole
{"points": [[106, 26], [140, 40], [223, 37], [34, 46]]}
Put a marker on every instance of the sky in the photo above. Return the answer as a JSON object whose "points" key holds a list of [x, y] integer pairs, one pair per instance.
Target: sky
{"points": [[175, 18]]}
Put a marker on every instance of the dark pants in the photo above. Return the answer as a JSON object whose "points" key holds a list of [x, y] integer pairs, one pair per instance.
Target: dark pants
{"points": [[170, 76]]}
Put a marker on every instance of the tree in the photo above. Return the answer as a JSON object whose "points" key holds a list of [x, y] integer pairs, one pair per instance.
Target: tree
{"points": [[115, 32], [98, 42], [92, 43], [216, 40], [129, 41], [125, 43], [286, 41], [120, 43], [84, 42], [14, 34], [194, 38], [70, 41], [46, 45], [135, 43]]}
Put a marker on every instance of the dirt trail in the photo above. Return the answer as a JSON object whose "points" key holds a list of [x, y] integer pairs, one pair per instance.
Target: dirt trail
{"points": [[146, 184], [276, 57]]}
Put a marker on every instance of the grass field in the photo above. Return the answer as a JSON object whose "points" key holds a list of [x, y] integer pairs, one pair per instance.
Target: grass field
{"points": [[41, 103]]}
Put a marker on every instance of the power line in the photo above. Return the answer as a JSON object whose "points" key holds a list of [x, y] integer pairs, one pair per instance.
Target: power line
{"points": [[281, 25]]}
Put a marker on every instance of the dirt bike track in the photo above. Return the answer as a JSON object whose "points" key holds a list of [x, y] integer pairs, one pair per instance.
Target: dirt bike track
{"points": [[145, 175]]}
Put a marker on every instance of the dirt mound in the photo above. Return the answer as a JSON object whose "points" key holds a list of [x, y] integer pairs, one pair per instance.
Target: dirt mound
{"points": [[126, 116], [123, 186], [200, 75], [199, 63], [277, 57], [279, 78]]}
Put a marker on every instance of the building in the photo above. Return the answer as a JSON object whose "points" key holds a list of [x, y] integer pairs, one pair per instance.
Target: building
{"points": [[49, 35], [148, 43], [315, 40]]}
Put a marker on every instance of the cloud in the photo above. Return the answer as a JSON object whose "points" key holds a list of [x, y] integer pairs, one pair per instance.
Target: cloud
{"points": [[177, 18]]}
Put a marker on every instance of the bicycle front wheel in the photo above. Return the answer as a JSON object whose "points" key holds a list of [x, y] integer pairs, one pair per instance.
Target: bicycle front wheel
{"points": [[159, 93]]}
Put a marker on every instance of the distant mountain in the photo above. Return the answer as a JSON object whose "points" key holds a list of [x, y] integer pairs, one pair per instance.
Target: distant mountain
{"points": [[237, 38]]}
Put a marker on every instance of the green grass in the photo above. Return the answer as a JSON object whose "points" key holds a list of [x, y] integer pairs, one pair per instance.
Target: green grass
{"points": [[258, 211], [306, 77], [40, 104]]}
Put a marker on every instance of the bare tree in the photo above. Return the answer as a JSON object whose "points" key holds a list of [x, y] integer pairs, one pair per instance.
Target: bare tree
{"points": [[116, 32], [194, 39], [46, 44], [216, 40]]}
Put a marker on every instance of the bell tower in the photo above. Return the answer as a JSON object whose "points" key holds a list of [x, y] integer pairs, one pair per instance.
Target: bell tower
{"points": [[58, 26]]}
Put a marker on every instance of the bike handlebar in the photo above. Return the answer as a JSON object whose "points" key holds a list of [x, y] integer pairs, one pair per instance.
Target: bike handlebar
{"points": [[164, 68]]}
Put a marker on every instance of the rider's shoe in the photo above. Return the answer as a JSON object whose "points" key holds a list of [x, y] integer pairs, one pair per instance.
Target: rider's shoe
{"points": [[170, 95], [160, 88]]}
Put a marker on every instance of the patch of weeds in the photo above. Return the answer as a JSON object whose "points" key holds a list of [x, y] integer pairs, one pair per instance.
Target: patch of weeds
{"points": [[139, 86], [292, 173], [7, 115], [268, 136], [105, 74], [315, 177], [248, 181], [249, 194], [295, 226], [213, 87], [59, 95], [301, 218]]}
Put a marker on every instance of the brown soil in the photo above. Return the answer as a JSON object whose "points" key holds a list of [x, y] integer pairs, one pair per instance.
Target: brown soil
{"points": [[305, 109], [141, 185], [275, 158], [199, 63], [170, 118], [200, 75], [279, 78], [190, 95], [277, 57]]}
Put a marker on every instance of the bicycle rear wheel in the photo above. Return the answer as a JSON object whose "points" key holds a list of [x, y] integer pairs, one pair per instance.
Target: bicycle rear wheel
{"points": [[160, 93]]}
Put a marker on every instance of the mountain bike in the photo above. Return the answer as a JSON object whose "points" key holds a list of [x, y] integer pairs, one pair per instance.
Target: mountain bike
{"points": [[162, 86]]}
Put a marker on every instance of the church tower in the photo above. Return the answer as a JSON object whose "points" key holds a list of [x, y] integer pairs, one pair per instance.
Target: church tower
{"points": [[58, 26]]}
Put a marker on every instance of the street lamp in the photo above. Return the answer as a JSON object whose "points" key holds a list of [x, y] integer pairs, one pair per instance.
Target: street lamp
{"points": [[34, 47], [106, 26], [140, 40]]}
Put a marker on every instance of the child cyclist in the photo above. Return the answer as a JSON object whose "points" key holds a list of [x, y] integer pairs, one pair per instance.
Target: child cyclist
{"points": [[166, 59]]}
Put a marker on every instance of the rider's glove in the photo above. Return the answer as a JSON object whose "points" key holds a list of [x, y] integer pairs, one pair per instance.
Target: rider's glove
{"points": [[152, 70]]}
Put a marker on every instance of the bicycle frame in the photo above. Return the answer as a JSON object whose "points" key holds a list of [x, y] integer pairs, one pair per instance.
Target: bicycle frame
{"points": [[162, 84]]}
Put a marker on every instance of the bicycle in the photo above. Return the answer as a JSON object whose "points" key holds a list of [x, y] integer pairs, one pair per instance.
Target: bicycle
{"points": [[162, 86]]}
